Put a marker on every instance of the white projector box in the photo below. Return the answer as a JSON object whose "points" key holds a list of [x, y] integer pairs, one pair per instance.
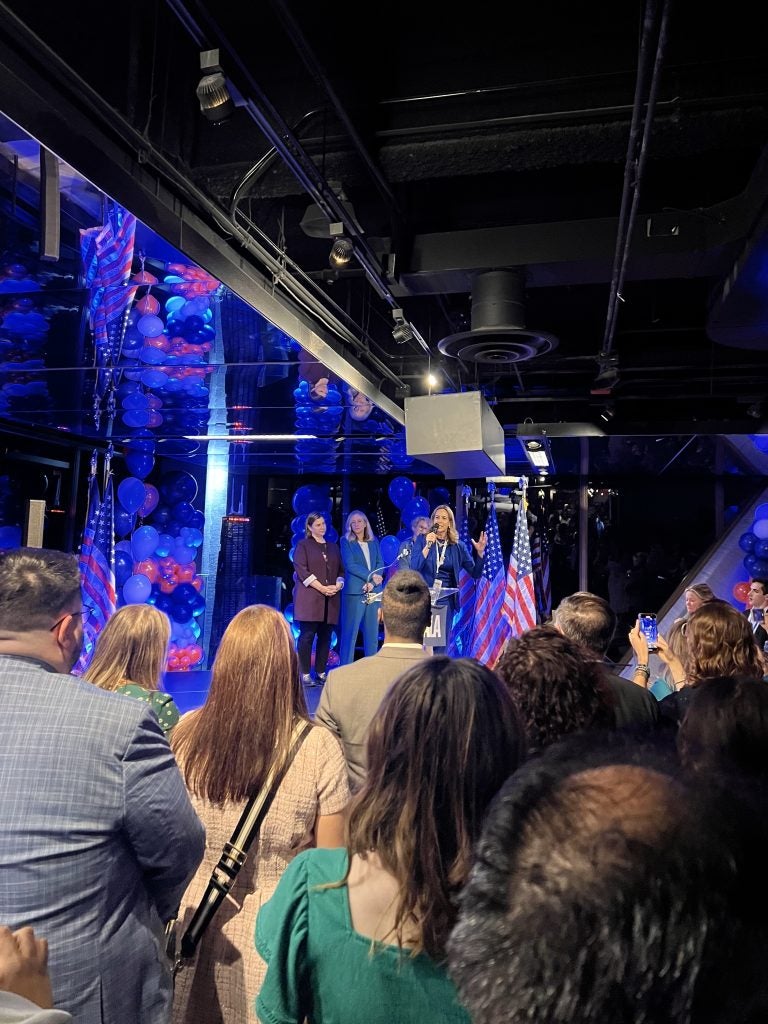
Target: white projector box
{"points": [[457, 434]]}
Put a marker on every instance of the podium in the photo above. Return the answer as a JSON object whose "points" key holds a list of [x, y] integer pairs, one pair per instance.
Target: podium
{"points": [[436, 634]]}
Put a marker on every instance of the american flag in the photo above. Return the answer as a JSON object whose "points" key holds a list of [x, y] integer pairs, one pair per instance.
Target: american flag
{"points": [[97, 567], [106, 253], [542, 587], [461, 632], [381, 526], [490, 631], [519, 604]]}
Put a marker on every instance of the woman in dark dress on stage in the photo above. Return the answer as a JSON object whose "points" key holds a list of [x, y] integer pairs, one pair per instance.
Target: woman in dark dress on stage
{"points": [[319, 579]]}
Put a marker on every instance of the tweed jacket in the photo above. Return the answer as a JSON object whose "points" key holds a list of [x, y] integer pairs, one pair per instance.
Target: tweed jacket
{"points": [[351, 697], [309, 605], [98, 839]]}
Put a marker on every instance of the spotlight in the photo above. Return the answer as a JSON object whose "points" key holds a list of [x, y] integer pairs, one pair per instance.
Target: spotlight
{"points": [[215, 100], [538, 453], [608, 413], [341, 253], [402, 330]]}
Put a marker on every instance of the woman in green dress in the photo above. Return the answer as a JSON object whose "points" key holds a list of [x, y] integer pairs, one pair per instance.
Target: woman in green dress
{"points": [[130, 657], [359, 934]]}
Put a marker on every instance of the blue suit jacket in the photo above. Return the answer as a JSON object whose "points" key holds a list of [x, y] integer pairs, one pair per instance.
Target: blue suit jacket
{"points": [[98, 839], [356, 569], [457, 557]]}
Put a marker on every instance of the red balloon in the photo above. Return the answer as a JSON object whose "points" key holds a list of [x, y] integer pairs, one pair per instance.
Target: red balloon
{"points": [[741, 590], [148, 304]]}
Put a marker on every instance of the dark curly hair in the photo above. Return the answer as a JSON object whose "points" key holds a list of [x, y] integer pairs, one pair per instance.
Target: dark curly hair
{"points": [[557, 685]]}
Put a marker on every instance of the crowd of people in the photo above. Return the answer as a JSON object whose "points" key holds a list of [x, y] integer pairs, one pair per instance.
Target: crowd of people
{"points": [[540, 840]]}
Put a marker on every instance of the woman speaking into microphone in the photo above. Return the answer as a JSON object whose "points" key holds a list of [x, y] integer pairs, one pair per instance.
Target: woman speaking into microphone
{"points": [[441, 558]]}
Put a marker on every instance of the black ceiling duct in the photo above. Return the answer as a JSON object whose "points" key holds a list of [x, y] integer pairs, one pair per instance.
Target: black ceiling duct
{"points": [[498, 334]]}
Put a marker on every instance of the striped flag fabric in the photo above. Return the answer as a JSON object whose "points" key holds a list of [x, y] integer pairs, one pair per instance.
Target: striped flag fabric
{"points": [[541, 583], [518, 607], [461, 630], [97, 567], [489, 629]]}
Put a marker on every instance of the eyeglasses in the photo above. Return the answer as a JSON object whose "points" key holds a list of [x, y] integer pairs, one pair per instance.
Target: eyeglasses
{"points": [[84, 612]]}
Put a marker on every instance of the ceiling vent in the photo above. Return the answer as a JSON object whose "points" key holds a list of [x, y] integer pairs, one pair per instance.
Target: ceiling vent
{"points": [[498, 336]]}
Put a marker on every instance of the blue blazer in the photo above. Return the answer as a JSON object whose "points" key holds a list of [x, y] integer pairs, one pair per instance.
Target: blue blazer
{"points": [[356, 569], [457, 557], [98, 839]]}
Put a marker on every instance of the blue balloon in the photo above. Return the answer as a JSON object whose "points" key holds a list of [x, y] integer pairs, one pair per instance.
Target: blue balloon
{"points": [[135, 417], [761, 568], [181, 612], [747, 541], [413, 508], [178, 485], [750, 564], [131, 493], [761, 549], [150, 326], [136, 589], [389, 547], [139, 463], [197, 521], [123, 567], [309, 498], [144, 542], [183, 512], [400, 490], [439, 496]]}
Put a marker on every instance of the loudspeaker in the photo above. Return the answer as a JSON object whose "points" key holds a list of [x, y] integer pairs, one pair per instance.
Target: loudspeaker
{"points": [[50, 206]]}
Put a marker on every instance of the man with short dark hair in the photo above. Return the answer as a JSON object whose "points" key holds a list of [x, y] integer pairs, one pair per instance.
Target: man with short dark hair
{"points": [[352, 693], [606, 889], [757, 608], [589, 620], [98, 838]]}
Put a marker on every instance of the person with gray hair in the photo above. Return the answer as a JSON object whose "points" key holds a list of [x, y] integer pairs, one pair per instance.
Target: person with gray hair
{"points": [[353, 692], [98, 838], [589, 620]]}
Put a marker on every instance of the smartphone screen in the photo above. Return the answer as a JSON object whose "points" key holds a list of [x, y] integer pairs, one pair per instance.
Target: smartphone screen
{"points": [[758, 615], [649, 629]]}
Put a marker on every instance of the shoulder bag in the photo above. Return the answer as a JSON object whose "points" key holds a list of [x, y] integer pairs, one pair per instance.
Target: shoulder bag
{"points": [[232, 859]]}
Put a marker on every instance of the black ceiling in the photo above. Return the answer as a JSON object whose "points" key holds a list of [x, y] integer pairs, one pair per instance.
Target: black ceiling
{"points": [[467, 141]]}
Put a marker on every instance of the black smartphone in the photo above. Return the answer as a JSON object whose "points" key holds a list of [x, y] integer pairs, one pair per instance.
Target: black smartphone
{"points": [[758, 615], [649, 628]]}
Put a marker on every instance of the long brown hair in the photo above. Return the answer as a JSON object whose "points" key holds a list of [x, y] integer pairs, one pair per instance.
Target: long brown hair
{"points": [[131, 648], [720, 642], [444, 739], [226, 747]]}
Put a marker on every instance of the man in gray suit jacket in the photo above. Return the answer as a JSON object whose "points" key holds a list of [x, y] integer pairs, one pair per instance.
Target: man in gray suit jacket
{"points": [[353, 692], [98, 838]]}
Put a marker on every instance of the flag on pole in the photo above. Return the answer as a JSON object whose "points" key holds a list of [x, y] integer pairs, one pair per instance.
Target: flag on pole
{"points": [[542, 587], [519, 604], [461, 631], [97, 566], [489, 629]]}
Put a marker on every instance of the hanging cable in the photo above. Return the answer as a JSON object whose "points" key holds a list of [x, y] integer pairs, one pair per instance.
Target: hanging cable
{"points": [[637, 151]]}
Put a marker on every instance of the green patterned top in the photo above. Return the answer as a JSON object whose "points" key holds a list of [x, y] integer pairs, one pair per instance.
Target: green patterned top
{"points": [[161, 703]]}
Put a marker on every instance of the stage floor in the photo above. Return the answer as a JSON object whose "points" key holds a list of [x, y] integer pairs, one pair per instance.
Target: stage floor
{"points": [[189, 690]]}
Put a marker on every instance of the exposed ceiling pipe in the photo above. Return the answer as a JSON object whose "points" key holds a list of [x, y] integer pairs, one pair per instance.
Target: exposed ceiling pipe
{"points": [[293, 154], [637, 151]]}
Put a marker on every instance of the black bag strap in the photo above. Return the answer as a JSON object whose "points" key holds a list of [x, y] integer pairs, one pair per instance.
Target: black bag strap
{"points": [[236, 850]]}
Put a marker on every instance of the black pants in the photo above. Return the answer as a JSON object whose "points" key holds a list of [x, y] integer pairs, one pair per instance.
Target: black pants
{"points": [[307, 633]]}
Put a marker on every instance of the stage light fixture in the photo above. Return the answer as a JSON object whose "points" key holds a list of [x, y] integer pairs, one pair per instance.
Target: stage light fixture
{"points": [[341, 253], [216, 103], [402, 330], [538, 453]]}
